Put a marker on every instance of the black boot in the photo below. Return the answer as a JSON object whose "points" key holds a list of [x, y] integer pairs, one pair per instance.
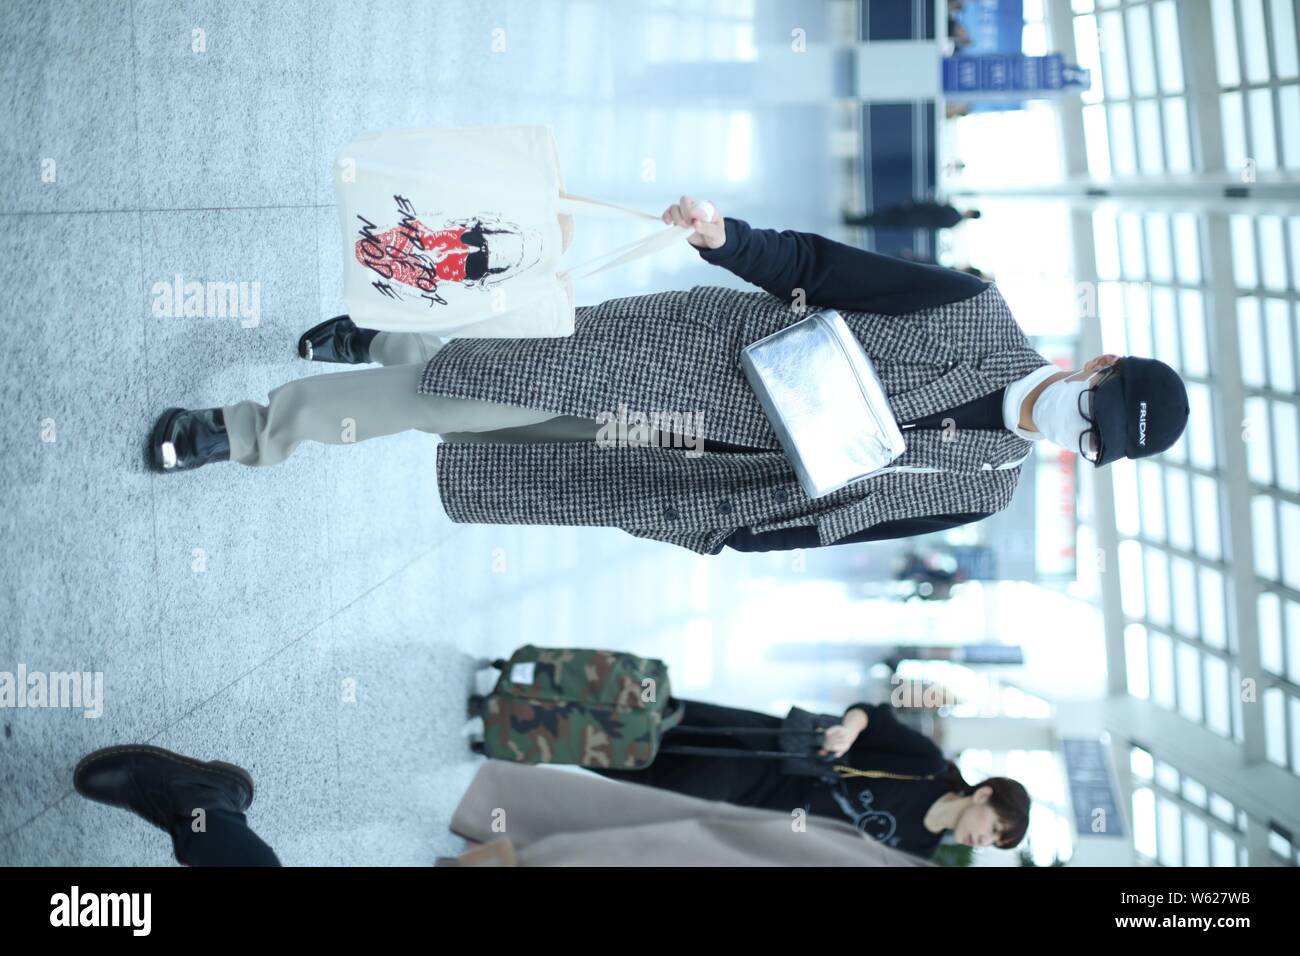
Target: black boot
{"points": [[160, 786], [337, 340], [183, 439]]}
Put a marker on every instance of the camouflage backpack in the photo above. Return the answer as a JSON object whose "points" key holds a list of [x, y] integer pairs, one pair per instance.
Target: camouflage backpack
{"points": [[572, 706]]}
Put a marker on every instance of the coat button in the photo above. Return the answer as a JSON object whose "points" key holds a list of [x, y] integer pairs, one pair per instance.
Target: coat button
{"points": [[724, 507], [671, 514], [781, 494]]}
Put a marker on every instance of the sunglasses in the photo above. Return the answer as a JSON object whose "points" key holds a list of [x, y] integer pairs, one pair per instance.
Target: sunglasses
{"points": [[1090, 446]]}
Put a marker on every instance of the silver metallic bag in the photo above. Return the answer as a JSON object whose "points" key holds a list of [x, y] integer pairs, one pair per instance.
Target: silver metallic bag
{"points": [[825, 402]]}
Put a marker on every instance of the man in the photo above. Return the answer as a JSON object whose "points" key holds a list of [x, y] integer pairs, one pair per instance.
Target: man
{"points": [[521, 419]]}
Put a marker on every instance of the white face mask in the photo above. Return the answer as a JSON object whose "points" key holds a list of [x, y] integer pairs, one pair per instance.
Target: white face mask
{"points": [[1056, 413]]}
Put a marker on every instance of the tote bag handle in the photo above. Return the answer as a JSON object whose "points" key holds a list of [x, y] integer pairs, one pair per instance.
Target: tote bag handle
{"points": [[637, 249]]}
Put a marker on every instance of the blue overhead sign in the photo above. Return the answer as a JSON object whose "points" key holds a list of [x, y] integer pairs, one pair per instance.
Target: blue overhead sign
{"points": [[1013, 75]]}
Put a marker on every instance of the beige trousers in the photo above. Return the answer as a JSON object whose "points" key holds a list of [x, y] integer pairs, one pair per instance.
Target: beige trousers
{"points": [[340, 408]]}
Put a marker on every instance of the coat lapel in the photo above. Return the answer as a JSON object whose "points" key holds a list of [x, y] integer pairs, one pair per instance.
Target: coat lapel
{"points": [[957, 386]]}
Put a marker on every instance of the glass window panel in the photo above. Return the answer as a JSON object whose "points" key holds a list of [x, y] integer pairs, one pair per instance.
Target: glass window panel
{"points": [[1243, 252], [1096, 140], [1200, 425], [1223, 809], [1184, 590], [1281, 360], [1293, 641], [1105, 236], [1194, 792], [1169, 820], [1250, 342], [1131, 590], [1289, 529], [1167, 777], [1268, 607], [1178, 501], [1177, 452], [1157, 574], [1198, 841], [1138, 676], [1140, 51], [1144, 822], [1238, 734], [1284, 41], [1225, 43], [1137, 306], [1114, 337], [1189, 682], [1286, 433], [1288, 103], [1165, 326], [1293, 704], [1124, 477], [1178, 144], [1130, 245], [1162, 670], [1151, 502], [1218, 705], [1112, 55], [1272, 253], [1259, 462], [1264, 523], [1140, 763], [1148, 127], [1223, 850], [1081, 6], [1254, 40], [1233, 117], [1274, 725], [1169, 54], [1213, 618], [1293, 229], [1123, 149], [1187, 242], [1087, 46], [1206, 495], [1160, 254], [1196, 359], [1033, 39], [1263, 144]]}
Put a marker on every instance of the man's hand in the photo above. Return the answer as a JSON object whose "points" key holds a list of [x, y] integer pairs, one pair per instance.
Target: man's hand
{"points": [[838, 740], [708, 234]]}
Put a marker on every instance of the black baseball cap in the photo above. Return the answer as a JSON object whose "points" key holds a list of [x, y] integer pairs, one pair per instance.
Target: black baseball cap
{"points": [[1140, 409]]}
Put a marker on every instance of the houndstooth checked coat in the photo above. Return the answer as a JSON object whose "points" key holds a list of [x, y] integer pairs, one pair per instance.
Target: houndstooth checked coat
{"points": [[679, 352]]}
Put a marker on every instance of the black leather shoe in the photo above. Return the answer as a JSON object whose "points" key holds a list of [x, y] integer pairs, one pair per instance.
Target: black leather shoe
{"points": [[337, 340], [160, 786], [184, 440]]}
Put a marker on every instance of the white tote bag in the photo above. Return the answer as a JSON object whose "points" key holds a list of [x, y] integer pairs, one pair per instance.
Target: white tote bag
{"points": [[460, 232]]}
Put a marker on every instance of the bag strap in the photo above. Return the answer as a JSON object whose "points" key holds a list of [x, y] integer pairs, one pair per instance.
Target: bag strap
{"points": [[637, 249], [846, 772]]}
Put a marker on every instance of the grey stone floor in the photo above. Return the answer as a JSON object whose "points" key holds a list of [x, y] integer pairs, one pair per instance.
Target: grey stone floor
{"points": [[231, 609]]}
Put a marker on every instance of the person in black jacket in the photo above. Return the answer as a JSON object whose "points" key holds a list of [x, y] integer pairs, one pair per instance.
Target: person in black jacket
{"points": [[910, 798]]}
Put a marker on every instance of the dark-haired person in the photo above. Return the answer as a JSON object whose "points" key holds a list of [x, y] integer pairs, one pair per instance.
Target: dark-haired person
{"points": [[523, 419], [912, 796], [914, 214]]}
